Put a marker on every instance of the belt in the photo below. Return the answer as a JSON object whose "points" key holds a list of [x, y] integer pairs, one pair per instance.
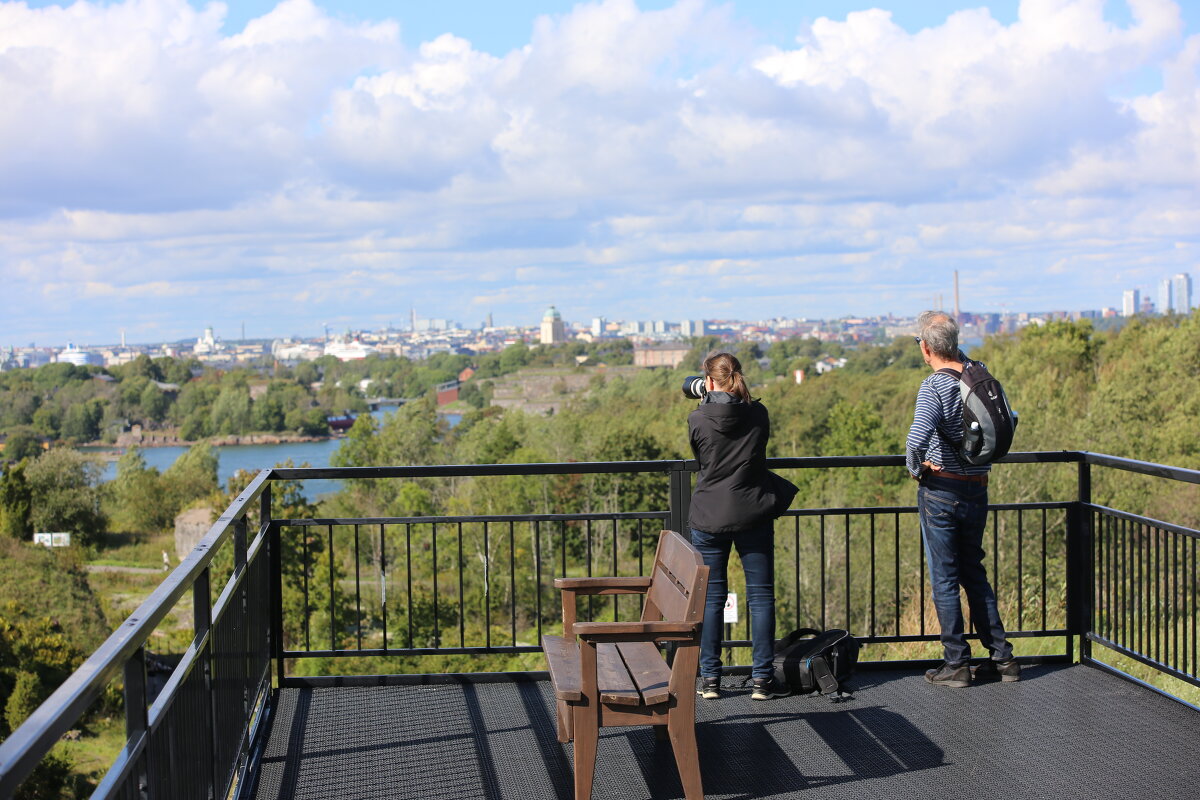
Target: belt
{"points": [[954, 476]]}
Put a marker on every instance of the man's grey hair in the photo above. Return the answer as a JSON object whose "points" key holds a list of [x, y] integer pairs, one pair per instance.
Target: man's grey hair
{"points": [[939, 331]]}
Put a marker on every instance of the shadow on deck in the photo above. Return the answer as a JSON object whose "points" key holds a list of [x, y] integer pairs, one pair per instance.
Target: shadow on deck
{"points": [[1062, 732]]}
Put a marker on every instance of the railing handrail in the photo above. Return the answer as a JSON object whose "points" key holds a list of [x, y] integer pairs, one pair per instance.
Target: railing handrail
{"points": [[27, 745], [664, 465], [1141, 467]]}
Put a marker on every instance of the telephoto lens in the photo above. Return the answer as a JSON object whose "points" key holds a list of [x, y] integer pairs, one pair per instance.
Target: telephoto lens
{"points": [[693, 387]]}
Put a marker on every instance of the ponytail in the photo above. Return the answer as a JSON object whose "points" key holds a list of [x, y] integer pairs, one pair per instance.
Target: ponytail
{"points": [[726, 372]]}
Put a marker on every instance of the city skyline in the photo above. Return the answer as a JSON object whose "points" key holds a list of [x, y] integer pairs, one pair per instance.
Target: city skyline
{"points": [[168, 165]]}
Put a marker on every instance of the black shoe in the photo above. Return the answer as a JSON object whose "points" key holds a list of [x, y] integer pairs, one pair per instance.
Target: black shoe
{"points": [[710, 688], [946, 675], [1007, 671], [767, 688]]}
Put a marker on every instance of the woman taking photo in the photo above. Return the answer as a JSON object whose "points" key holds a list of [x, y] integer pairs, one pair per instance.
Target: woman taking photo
{"points": [[734, 505]]}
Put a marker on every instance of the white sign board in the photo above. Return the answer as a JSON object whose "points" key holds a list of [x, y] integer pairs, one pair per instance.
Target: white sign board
{"points": [[52, 539], [731, 608]]}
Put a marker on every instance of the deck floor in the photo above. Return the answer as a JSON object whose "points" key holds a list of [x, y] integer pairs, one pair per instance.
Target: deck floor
{"points": [[1061, 732]]}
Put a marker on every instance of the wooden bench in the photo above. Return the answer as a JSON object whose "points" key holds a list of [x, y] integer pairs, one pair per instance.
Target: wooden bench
{"points": [[611, 673]]}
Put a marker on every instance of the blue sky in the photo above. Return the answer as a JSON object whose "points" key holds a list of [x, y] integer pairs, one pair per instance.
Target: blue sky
{"points": [[166, 165]]}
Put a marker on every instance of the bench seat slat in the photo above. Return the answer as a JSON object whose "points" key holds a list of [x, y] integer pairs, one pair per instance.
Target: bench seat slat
{"points": [[562, 656], [649, 671], [612, 678]]}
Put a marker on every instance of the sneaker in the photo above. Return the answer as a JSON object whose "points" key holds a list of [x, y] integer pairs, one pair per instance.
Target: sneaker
{"points": [[946, 675], [1007, 671], [767, 688], [710, 688]]}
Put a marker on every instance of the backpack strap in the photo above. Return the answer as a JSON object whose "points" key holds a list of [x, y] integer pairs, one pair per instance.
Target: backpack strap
{"points": [[819, 668], [953, 373]]}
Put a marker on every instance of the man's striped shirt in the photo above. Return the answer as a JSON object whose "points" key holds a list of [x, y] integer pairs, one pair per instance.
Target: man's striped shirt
{"points": [[937, 428]]}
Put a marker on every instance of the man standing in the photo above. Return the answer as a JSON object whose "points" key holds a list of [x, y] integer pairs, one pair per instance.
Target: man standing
{"points": [[953, 502]]}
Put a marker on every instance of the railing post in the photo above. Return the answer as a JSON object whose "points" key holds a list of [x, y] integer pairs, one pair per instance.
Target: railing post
{"points": [[275, 584], [202, 622], [136, 722], [1079, 565], [681, 496]]}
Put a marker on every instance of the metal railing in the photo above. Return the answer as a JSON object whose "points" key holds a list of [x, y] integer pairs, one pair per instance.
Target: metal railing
{"points": [[480, 585]]}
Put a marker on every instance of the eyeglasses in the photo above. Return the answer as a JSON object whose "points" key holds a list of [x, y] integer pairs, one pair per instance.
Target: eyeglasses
{"points": [[918, 339]]}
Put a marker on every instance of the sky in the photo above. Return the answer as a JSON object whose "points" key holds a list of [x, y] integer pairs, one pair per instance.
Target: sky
{"points": [[167, 165]]}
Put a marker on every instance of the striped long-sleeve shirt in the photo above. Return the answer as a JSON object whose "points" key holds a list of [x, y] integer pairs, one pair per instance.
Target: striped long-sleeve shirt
{"points": [[937, 428]]}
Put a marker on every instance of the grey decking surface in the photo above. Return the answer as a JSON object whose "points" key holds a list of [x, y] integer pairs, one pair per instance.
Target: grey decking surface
{"points": [[1062, 732]]}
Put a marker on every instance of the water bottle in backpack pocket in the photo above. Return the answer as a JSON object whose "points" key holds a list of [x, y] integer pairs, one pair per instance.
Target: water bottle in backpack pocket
{"points": [[808, 660]]}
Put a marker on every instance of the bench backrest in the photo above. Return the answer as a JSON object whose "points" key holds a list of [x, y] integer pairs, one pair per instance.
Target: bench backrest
{"points": [[678, 583]]}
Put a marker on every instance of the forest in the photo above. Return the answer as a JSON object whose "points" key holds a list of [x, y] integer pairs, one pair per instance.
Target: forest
{"points": [[1132, 392]]}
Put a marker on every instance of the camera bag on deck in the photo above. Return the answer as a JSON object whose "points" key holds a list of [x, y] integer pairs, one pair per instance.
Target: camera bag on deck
{"points": [[808, 660]]}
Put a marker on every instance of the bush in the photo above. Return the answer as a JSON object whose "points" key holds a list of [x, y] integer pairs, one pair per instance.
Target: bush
{"points": [[27, 694]]}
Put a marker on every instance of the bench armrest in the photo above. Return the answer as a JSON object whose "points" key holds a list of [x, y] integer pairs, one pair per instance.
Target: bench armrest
{"points": [[635, 631], [634, 585]]}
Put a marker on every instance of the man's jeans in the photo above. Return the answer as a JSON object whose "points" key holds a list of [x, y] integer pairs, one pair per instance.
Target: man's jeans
{"points": [[953, 516], [756, 548]]}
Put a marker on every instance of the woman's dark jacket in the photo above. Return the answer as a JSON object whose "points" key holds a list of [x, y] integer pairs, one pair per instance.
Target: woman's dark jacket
{"points": [[734, 491]]}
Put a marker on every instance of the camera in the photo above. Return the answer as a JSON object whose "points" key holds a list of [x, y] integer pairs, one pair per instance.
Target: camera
{"points": [[694, 388]]}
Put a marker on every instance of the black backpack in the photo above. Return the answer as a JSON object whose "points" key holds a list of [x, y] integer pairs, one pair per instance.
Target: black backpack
{"points": [[988, 420], [821, 663]]}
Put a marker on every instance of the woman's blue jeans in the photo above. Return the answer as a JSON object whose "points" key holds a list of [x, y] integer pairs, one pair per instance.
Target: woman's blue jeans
{"points": [[756, 549]]}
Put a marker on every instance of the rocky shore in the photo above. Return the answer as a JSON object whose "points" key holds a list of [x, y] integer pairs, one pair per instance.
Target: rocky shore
{"points": [[136, 438]]}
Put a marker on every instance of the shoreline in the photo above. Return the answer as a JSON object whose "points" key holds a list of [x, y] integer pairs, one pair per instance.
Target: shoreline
{"points": [[123, 443]]}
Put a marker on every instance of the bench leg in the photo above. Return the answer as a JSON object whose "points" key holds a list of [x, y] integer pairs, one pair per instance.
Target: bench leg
{"points": [[563, 716], [682, 730], [587, 732]]}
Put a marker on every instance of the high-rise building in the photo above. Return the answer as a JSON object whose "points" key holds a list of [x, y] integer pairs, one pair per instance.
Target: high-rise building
{"points": [[598, 325], [553, 331], [1130, 302], [1166, 296], [1181, 286], [691, 327]]}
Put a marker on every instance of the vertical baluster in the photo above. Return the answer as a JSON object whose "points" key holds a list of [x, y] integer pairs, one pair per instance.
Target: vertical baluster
{"points": [[537, 568], [512, 581], [615, 568], [1020, 572], [332, 617], [487, 586], [847, 576], [408, 576], [896, 554], [357, 591], [307, 609], [437, 632], [823, 623], [462, 631], [1044, 620], [383, 583], [872, 626]]}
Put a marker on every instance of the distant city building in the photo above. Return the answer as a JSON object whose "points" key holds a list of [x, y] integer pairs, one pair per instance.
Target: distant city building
{"points": [[1181, 288], [1166, 296], [1131, 302], [208, 344], [663, 355], [598, 326], [553, 331], [1147, 305], [691, 327]]}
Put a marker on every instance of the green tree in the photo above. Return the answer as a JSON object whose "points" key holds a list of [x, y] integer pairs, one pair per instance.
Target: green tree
{"points": [[193, 476], [82, 421], [137, 496], [231, 411], [154, 403], [46, 421], [64, 494], [22, 443], [16, 500]]}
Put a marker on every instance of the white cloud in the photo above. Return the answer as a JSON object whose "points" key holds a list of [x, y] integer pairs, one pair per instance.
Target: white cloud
{"points": [[145, 154]]}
